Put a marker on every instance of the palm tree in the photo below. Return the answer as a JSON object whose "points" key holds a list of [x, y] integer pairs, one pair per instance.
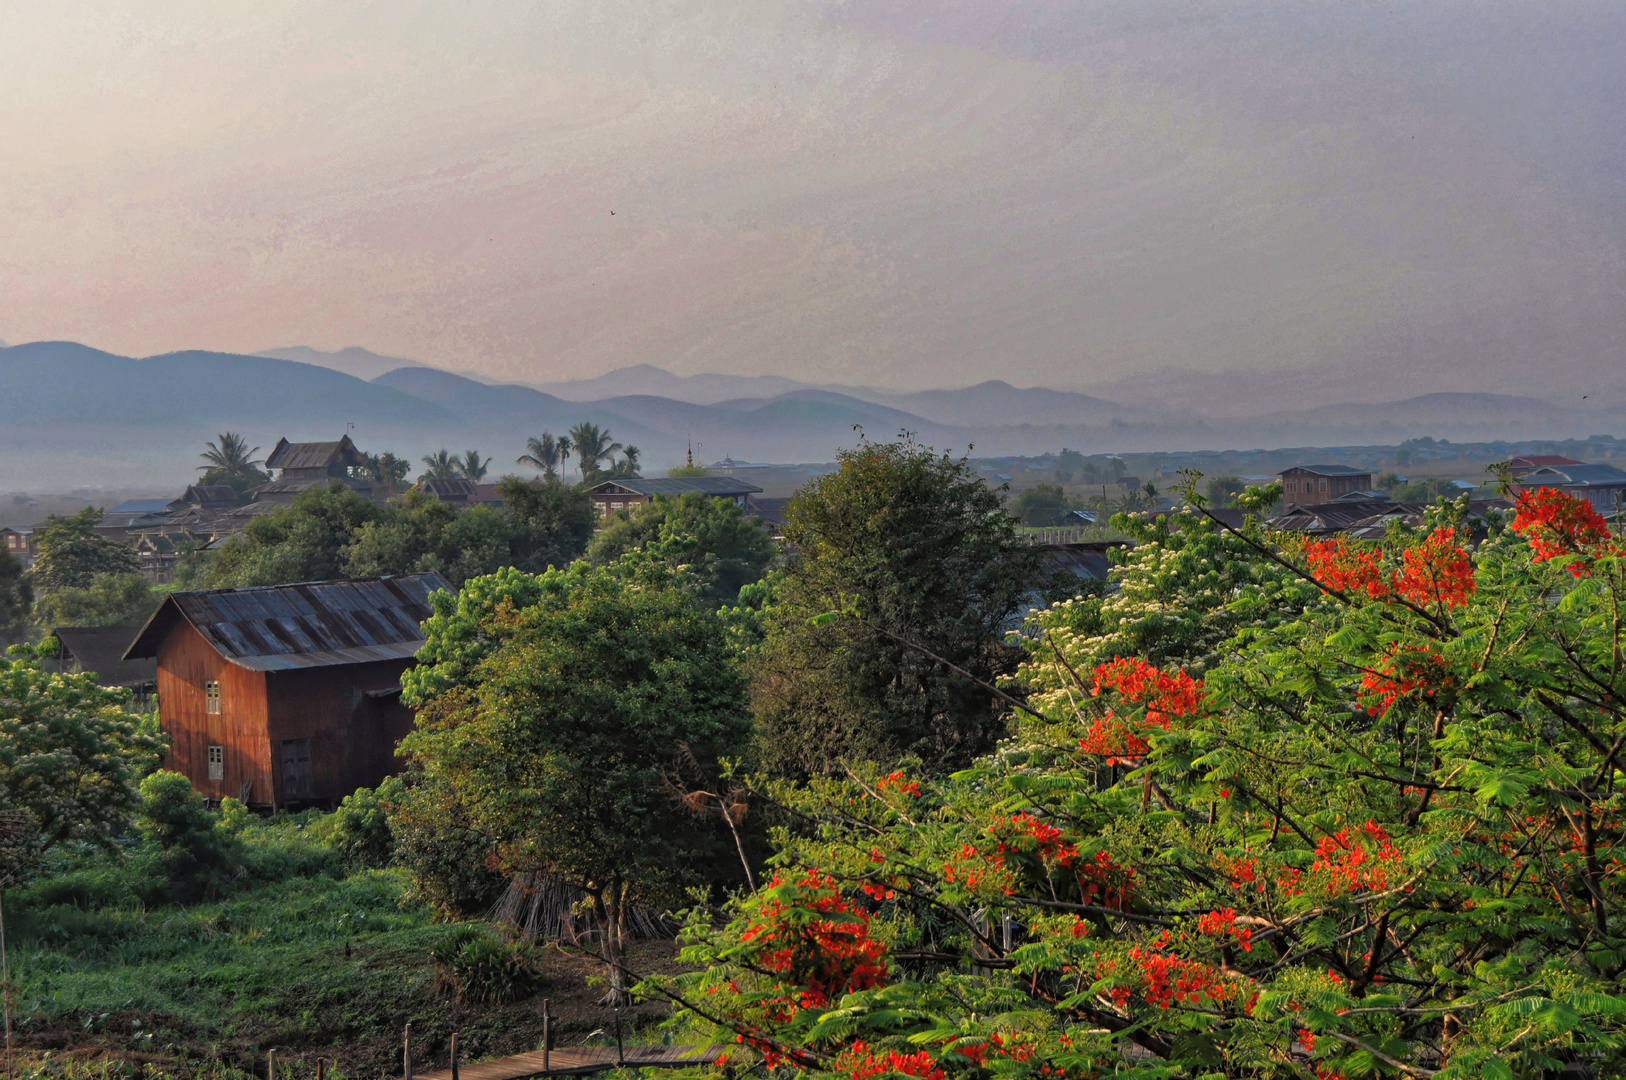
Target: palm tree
{"points": [[388, 470], [442, 466], [231, 461], [471, 468], [546, 454], [629, 459], [592, 446]]}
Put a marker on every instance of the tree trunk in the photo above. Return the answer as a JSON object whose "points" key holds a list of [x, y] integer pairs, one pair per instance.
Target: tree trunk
{"points": [[611, 909]]}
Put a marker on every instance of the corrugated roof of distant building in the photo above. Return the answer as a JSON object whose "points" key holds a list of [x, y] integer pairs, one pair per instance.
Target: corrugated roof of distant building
{"points": [[677, 485], [312, 624]]}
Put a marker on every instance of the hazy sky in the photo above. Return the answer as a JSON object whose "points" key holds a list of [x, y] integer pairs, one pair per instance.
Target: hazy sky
{"points": [[1407, 197]]}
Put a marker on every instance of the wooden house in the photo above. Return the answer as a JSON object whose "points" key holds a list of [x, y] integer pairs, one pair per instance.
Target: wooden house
{"points": [[1314, 484], [625, 493], [303, 466], [286, 695]]}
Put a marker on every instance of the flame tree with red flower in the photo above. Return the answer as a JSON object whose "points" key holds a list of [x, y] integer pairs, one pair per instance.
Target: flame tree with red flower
{"points": [[1370, 824]]}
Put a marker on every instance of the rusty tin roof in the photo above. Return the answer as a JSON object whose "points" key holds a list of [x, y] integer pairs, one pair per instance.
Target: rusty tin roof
{"points": [[313, 624]]}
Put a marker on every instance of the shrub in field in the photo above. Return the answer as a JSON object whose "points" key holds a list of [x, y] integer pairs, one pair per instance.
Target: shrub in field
{"points": [[473, 964]]}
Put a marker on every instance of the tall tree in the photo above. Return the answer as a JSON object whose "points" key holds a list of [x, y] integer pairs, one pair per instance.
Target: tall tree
{"points": [[723, 549], [554, 707], [546, 454], [441, 465], [302, 542], [71, 554], [920, 552], [471, 467], [629, 459], [107, 600], [551, 522], [229, 460], [592, 445], [16, 600]]}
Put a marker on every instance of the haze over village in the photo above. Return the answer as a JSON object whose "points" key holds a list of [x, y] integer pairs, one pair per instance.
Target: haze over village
{"points": [[821, 541]]}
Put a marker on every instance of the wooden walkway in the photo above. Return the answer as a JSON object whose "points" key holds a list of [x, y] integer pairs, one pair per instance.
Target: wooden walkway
{"points": [[578, 1061]]}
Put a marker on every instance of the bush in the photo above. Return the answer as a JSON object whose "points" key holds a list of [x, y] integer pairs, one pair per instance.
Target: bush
{"points": [[479, 969], [186, 846], [361, 827]]}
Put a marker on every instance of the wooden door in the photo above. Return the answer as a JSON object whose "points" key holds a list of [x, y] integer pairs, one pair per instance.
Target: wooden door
{"points": [[296, 768]]}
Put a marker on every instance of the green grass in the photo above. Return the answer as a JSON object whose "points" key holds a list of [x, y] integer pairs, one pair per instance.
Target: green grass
{"points": [[102, 968]]}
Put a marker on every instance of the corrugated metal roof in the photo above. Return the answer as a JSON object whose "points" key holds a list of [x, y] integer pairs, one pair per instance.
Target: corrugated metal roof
{"points": [[1328, 470], [313, 455], [101, 649], [314, 624], [677, 485], [1576, 476]]}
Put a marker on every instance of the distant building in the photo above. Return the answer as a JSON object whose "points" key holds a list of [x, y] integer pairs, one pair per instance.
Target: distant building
{"points": [[18, 540], [460, 491], [611, 496], [771, 512], [1604, 486], [1523, 466], [99, 650], [1304, 484], [286, 695], [303, 466]]}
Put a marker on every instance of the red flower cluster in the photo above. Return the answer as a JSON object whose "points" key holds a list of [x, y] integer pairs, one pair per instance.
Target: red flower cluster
{"points": [[1026, 834], [1557, 524], [1173, 981], [896, 782], [1162, 694], [1339, 564], [860, 1063], [1242, 872], [1222, 923], [823, 957], [1139, 683], [1102, 881], [1436, 572], [1402, 670], [1357, 863]]}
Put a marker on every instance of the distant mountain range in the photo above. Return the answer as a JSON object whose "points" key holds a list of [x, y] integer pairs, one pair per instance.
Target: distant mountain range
{"points": [[73, 415]]}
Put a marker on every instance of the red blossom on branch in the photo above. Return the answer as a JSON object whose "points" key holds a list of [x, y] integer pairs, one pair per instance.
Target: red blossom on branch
{"points": [[1400, 671], [1339, 564], [818, 941], [1557, 524], [861, 1063], [1437, 571]]}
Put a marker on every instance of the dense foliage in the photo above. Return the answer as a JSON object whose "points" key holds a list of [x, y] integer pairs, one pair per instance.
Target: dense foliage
{"points": [[71, 555], [106, 600], [1356, 813], [16, 600], [70, 759], [335, 532], [554, 708], [919, 551], [722, 549]]}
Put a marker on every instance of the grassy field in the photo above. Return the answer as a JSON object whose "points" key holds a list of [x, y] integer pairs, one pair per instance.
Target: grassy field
{"points": [[301, 956]]}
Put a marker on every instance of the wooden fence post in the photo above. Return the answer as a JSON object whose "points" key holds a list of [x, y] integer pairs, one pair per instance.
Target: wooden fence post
{"points": [[547, 1035], [454, 1055], [406, 1051], [620, 1055], [271, 1064]]}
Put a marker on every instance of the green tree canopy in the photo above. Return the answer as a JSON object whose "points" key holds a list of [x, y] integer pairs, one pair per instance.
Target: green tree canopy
{"points": [[552, 522], [70, 758], [108, 600], [16, 600], [555, 706], [302, 542], [1041, 504], [916, 547], [71, 554], [388, 470], [420, 534], [722, 548]]}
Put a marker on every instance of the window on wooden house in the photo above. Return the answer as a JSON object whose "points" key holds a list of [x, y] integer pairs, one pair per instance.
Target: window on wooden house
{"points": [[211, 697], [217, 763], [296, 768]]}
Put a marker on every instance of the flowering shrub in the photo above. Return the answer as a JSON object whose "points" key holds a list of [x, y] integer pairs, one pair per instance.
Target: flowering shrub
{"points": [[1343, 564], [816, 942], [1437, 571]]}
